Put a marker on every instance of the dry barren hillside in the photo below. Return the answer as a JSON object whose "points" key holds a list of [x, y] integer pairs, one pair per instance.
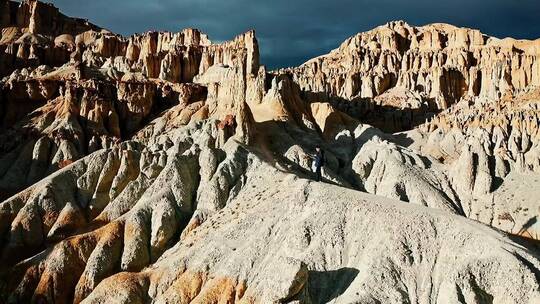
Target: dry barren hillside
{"points": [[165, 168]]}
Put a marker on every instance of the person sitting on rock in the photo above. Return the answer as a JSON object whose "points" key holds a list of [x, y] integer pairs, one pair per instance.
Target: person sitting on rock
{"points": [[318, 163]]}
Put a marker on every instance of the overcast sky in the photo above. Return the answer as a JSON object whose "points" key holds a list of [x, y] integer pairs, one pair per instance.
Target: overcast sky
{"points": [[292, 31]]}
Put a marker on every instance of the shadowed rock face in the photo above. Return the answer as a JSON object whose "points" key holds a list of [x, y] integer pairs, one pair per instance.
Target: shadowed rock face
{"points": [[40, 18], [28, 35], [163, 168]]}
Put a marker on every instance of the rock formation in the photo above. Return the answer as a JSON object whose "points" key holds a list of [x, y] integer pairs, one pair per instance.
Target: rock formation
{"points": [[103, 90], [164, 168], [439, 64]]}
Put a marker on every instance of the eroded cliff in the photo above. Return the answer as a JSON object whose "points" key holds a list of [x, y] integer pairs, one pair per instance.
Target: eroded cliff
{"points": [[164, 168]]}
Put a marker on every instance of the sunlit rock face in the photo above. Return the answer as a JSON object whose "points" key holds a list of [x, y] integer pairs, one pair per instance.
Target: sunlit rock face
{"points": [[164, 168], [439, 65]]}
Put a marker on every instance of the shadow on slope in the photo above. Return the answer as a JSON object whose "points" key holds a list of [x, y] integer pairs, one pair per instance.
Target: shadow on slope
{"points": [[324, 286]]}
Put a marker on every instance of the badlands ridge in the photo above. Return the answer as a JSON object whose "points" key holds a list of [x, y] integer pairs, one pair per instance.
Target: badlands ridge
{"points": [[164, 168]]}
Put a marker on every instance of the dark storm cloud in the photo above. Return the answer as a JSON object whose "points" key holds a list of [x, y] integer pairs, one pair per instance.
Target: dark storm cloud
{"points": [[292, 31]]}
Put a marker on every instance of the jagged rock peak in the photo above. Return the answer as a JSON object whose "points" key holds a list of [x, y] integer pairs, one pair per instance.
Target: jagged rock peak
{"points": [[40, 18]]}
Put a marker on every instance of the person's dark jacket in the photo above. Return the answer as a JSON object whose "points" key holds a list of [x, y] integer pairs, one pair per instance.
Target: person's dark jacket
{"points": [[319, 159]]}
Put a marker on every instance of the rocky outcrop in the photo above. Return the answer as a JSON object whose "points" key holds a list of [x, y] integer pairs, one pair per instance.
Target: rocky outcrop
{"points": [[72, 119], [40, 18], [440, 64], [173, 57], [34, 33], [386, 169], [485, 145]]}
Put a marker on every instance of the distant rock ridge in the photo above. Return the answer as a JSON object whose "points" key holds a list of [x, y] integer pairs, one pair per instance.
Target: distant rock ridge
{"points": [[439, 62]]}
